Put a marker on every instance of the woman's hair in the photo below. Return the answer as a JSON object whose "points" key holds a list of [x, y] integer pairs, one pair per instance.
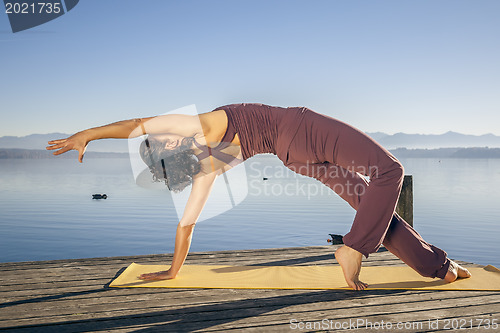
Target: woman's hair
{"points": [[176, 167]]}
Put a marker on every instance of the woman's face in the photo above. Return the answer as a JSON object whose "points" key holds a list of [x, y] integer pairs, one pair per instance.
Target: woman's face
{"points": [[169, 141]]}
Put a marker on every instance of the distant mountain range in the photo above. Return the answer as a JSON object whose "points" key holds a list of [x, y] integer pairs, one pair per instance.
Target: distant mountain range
{"points": [[430, 141], [450, 144], [475, 152]]}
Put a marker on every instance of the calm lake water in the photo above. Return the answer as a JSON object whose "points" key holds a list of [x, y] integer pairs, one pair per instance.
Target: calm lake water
{"points": [[46, 210]]}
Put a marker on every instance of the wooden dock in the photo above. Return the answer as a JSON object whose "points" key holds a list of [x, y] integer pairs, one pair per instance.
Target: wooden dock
{"points": [[72, 296]]}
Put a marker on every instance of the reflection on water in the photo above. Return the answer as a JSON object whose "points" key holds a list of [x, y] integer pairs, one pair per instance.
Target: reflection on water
{"points": [[47, 211]]}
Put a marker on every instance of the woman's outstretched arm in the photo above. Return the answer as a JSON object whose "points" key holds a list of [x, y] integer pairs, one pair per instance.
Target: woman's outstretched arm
{"points": [[202, 185], [79, 141], [184, 125]]}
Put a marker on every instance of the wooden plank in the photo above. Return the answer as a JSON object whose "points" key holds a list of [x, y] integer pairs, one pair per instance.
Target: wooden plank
{"points": [[92, 261]]}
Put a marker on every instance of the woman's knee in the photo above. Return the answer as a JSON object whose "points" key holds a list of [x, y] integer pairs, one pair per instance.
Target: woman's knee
{"points": [[400, 170], [393, 173]]}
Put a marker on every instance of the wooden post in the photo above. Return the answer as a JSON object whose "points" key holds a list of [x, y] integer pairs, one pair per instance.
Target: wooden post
{"points": [[405, 203]]}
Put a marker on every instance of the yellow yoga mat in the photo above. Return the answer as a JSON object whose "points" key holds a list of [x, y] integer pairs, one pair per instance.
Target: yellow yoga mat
{"points": [[303, 277]]}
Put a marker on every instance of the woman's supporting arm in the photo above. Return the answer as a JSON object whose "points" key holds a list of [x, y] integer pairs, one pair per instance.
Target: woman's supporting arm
{"points": [[183, 238], [202, 185]]}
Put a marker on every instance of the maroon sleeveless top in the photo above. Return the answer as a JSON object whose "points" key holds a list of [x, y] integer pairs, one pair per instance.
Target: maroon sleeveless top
{"points": [[262, 128]]}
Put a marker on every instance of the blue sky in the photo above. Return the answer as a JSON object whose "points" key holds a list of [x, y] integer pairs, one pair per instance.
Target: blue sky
{"points": [[390, 66]]}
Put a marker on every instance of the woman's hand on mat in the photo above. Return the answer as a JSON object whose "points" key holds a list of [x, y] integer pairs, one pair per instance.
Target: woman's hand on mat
{"points": [[163, 275], [77, 142]]}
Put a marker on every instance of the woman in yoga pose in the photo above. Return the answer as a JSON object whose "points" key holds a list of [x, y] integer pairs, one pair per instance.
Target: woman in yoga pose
{"points": [[308, 143]]}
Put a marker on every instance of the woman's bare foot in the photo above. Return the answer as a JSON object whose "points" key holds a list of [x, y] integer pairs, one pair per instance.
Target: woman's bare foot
{"points": [[456, 271], [350, 261]]}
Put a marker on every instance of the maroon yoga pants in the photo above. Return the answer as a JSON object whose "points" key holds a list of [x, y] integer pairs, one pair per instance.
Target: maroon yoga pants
{"points": [[337, 154]]}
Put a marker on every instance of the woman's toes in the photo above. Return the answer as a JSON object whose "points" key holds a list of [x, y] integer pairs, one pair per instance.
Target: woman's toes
{"points": [[358, 285]]}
